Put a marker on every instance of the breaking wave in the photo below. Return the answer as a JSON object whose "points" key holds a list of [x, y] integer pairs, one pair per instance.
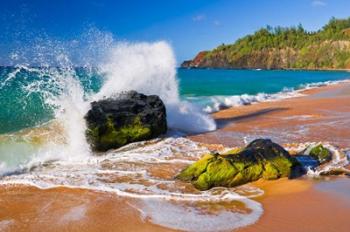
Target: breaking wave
{"points": [[211, 104], [55, 94]]}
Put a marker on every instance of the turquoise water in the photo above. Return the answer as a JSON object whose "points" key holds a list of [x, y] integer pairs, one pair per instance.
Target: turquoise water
{"points": [[24, 92], [212, 82]]}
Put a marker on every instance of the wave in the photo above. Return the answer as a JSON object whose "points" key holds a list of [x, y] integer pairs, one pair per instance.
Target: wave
{"points": [[144, 172], [58, 154], [63, 92], [141, 171], [211, 104], [150, 69]]}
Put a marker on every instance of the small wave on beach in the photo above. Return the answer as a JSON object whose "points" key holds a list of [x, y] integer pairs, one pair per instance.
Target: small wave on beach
{"points": [[145, 172], [211, 104]]}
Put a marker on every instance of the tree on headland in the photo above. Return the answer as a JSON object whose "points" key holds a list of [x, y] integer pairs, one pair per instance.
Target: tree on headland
{"points": [[286, 47]]}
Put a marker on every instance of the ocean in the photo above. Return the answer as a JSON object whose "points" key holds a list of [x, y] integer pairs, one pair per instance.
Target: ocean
{"points": [[214, 89], [25, 91], [42, 131]]}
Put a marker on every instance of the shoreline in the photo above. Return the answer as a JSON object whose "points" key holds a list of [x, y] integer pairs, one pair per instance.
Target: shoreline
{"points": [[320, 114], [278, 69], [273, 97], [289, 205]]}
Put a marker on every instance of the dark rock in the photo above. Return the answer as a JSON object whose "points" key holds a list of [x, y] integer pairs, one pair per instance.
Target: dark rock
{"points": [[130, 117], [260, 159]]}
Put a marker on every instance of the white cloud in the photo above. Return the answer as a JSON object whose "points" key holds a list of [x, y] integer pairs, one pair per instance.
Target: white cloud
{"points": [[318, 3], [198, 18], [217, 22]]}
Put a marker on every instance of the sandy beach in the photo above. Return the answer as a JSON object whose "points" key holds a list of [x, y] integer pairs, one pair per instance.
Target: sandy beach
{"points": [[321, 114]]}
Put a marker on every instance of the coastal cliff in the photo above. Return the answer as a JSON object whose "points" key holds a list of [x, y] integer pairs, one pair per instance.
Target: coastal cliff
{"points": [[283, 48]]}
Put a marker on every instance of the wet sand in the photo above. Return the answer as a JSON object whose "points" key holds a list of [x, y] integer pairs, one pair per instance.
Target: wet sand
{"points": [[299, 206], [26, 208], [323, 114], [289, 205]]}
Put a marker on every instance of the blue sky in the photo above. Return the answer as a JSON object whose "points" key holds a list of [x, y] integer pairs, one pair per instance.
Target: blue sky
{"points": [[188, 25]]}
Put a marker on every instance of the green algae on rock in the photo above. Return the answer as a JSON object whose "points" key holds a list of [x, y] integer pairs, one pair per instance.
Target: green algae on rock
{"points": [[131, 117], [321, 154], [260, 159]]}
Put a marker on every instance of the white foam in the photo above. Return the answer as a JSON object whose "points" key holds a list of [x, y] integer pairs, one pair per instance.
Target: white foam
{"points": [[216, 103], [149, 68], [127, 172], [5, 224], [188, 218], [74, 214], [339, 158], [219, 102]]}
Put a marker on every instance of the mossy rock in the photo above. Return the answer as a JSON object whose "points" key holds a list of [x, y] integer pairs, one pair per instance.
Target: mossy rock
{"points": [[131, 117], [321, 154], [260, 159]]}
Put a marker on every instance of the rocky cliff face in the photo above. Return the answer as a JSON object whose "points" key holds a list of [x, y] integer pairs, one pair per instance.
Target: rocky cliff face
{"points": [[196, 62], [283, 48], [325, 55]]}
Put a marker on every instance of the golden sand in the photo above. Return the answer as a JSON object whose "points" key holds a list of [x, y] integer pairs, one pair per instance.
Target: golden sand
{"points": [[295, 206], [322, 115], [289, 205], [25, 208]]}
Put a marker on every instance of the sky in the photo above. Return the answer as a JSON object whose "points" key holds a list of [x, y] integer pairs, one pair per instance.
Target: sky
{"points": [[188, 25]]}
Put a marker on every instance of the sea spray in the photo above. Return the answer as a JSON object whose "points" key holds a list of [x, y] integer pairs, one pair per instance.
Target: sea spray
{"points": [[46, 88], [60, 94], [149, 68]]}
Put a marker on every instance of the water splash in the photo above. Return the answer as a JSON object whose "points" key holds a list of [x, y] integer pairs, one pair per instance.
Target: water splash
{"points": [[56, 90], [150, 69], [340, 158]]}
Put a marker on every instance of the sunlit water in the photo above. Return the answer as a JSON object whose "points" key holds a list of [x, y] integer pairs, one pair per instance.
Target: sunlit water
{"points": [[42, 140]]}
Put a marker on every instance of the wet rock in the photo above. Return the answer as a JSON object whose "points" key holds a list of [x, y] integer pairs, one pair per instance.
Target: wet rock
{"points": [[260, 159], [320, 153], [335, 172], [129, 117]]}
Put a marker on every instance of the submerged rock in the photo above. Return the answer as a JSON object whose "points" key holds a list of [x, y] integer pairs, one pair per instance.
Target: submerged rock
{"points": [[131, 117], [320, 153], [260, 159]]}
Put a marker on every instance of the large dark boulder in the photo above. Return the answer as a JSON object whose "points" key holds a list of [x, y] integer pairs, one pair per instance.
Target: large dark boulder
{"points": [[127, 118], [260, 159]]}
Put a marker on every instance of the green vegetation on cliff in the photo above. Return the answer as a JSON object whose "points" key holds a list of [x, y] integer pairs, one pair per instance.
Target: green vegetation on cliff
{"points": [[284, 48]]}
